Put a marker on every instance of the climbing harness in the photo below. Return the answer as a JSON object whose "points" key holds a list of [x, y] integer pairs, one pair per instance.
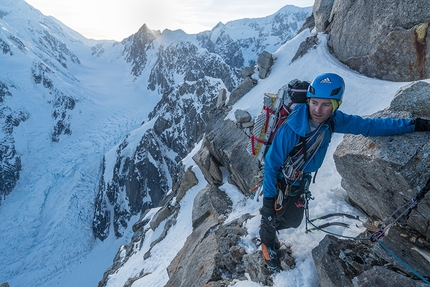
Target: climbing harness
{"points": [[297, 161]]}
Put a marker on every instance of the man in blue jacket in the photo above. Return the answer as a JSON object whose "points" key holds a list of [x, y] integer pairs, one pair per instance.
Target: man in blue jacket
{"points": [[299, 148]]}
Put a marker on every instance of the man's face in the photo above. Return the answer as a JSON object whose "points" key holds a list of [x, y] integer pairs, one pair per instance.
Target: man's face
{"points": [[320, 109]]}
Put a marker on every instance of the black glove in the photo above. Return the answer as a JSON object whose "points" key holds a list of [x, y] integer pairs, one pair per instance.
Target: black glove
{"points": [[422, 125], [268, 210], [268, 215]]}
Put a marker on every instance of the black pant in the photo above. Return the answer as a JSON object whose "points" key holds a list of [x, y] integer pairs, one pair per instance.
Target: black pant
{"points": [[290, 216]]}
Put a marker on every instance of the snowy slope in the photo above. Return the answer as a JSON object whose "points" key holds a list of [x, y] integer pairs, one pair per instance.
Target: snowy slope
{"points": [[51, 227]]}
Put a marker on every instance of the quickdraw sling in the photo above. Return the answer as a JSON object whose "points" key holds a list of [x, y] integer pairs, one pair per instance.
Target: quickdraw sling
{"points": [[301, 155]]}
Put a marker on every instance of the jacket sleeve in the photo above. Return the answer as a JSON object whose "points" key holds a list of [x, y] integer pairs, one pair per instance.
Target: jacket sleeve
{"points": [[284, 141], [353, 124]]}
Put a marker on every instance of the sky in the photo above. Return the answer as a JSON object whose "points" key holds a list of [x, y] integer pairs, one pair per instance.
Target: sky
{"points": [[116, 20]]}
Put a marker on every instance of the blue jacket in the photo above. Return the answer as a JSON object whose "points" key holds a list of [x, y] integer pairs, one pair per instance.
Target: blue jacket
{"points": [[297, 125]]}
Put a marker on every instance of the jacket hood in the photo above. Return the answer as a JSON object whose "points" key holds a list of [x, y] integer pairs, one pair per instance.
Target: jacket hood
{"points": [[298, 120]]}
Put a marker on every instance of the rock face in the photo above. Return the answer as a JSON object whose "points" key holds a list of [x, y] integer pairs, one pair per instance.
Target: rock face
{"points": [[193, 266], [347, 263], [265, 62], [211, 254], [10, 161], [225, 146], [388, 40], [380, 175]]}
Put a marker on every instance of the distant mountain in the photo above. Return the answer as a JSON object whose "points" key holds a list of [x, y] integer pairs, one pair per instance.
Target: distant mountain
{"points": [[92, 132]]}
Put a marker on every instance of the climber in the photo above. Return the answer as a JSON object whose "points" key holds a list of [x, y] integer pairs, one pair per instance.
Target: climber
{"points": [[299, 148]]}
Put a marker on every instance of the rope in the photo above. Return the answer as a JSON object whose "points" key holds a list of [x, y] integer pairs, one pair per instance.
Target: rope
{"points": [[402, 262], [301, 160], [384, 227], [375, 237], [328, 232]]}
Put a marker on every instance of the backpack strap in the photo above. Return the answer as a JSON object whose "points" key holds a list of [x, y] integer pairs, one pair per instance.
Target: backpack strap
{"points": [[330, 123], [297, 159], [331, 128], [305, 157]]}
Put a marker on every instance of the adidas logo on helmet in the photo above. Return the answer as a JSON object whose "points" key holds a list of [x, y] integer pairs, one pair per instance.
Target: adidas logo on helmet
{"points": [[325, 81], [327, 86]]}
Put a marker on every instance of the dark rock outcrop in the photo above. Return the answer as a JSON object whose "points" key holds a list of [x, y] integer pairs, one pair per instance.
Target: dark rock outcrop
{"points": [[136, 47], [382, 39], [10, 160], [382, 173], [265, 62], [225, 146], [197, 262], [349, 264], [244, 87]]}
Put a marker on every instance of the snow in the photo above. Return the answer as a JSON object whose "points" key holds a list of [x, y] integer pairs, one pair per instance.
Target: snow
{"points": [[46, 239]]}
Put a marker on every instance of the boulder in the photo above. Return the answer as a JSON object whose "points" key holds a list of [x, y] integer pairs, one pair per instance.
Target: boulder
{"points": [[222, 97], [385, 39], [189, 180], [382, 173], [242, 116], [208, 165], [265, 62], [248, 72], [244, 87], [304, 47], [225, 146], [357, 263], [377, 276], [212, 249]]}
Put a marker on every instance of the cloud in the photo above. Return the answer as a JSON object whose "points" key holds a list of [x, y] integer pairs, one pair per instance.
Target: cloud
{"points": [[112, 19]]}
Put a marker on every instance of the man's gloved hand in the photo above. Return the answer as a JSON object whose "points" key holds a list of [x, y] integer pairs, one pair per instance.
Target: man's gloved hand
{"points": [[422, 125], [268, 209]]}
